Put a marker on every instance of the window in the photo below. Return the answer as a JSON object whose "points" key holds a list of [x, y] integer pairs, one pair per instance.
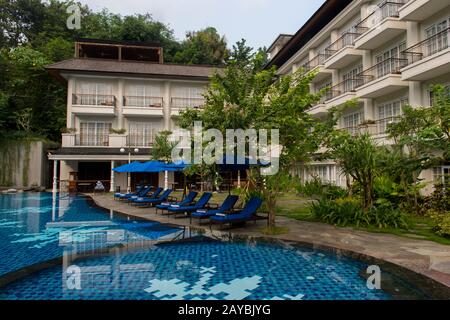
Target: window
{"points": [[142, 133], [188, 97], [144, 96], [325, 173], [389, 112], [325, 84], [438, 40], [441, 175], [352, 121], [351, 80], [431, 94], [94, 134], [389, 61], [96, 94]]}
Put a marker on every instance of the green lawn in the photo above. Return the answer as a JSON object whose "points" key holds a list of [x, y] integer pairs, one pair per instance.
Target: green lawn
{"points": [[420, 227]]}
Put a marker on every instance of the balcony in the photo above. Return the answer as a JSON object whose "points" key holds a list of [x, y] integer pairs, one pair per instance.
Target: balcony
{"points": [[134, 139], [320, 109], [316, 65], [419, 10], [381, 26], [179, 104], [343, 92], [143, 106], [376, 128], [383, 78], [93, 104], [92, 140], [142, 139], [428, 59], [342, 52]]}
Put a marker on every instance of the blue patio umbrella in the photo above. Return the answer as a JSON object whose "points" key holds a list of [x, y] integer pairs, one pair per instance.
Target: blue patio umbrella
{"points": [[152, 166], [129, 167], [175, 166]]}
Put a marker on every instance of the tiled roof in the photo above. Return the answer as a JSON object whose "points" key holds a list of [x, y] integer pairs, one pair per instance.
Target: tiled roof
{"points": [[164, 70]]}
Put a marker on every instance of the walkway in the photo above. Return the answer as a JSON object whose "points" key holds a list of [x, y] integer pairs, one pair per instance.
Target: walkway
{"points": [[424, 257]]}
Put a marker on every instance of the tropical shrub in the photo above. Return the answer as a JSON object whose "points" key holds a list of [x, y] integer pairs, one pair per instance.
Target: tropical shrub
{"points": [[348, 211], [342, 212], [310, 188], [384, 215], [437, 206], [334, 192], [442, 220]]}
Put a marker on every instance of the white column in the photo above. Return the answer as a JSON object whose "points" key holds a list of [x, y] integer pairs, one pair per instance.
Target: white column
{"points": [[239, 179], [166, 180], [367, 59], [55, 176], [112, 183], [415, 93], [369, 113], [120, 94], [167, 106], [70, 91], [413, 33]]}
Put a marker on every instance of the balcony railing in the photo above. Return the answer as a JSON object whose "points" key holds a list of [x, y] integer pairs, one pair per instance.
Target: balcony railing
{"points": [[93, 99], [141, 139], [143, 101], [347, 39], [385, 10], [99, 140], [187, 102], [373, 128], [318, 60], [388, 66], [428, 47], [348, 85]]}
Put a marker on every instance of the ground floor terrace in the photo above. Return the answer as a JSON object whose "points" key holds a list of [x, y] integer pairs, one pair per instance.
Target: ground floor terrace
{"points": [[79, 169], [415, 255]]}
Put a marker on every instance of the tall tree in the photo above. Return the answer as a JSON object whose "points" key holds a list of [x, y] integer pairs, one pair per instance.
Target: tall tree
{"points": [[205, 46], [246, 96]]}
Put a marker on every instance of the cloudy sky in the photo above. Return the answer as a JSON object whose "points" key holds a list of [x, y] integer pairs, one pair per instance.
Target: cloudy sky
{"points": [[258, 21]]}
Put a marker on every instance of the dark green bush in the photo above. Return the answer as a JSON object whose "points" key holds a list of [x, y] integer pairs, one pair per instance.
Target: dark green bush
{"points": [[348, 211]]}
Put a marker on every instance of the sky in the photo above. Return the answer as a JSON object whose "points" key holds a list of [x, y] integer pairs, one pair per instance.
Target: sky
{"points": [[257, 21]]}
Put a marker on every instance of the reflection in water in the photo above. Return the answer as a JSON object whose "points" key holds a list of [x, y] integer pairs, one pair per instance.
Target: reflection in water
{"points": [[36, 227]]}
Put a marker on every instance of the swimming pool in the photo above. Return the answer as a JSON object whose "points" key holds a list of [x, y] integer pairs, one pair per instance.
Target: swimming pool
{"points": [[98, 254]]}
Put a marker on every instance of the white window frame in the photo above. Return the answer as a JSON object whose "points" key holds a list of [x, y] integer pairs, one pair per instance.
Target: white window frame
{"points": [[142, 134], [99, 137], [440, 43], [391, 110]]}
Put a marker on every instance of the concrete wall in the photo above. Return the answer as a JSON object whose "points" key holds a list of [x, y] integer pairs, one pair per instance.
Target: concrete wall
{"points": [[23, 164]]}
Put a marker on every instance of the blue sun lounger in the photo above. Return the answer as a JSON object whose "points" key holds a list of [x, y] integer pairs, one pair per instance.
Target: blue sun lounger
{"points": [[146, 202], [248, 213], [119, 194], [200, 204], [226, 206], [141, 193], [154, 195], [189, 199]]}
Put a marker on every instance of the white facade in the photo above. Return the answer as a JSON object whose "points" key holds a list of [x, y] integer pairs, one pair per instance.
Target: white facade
{"points": [[385, 54], [111, 115]]}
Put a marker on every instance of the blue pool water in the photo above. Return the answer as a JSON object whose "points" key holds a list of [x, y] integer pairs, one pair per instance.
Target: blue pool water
{"points": [[35, 228]]}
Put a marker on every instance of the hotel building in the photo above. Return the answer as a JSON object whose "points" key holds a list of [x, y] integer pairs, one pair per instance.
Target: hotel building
{"points": [[119, 96], [384, 53]]}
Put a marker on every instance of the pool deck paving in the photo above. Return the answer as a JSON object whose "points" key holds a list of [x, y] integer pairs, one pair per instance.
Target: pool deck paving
{"points": [[424, 257]]}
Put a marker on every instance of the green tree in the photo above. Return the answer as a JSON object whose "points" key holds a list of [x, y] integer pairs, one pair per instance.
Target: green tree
{"points": [[245, 96], [421, 140], [205, 46], [358, 157]]}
